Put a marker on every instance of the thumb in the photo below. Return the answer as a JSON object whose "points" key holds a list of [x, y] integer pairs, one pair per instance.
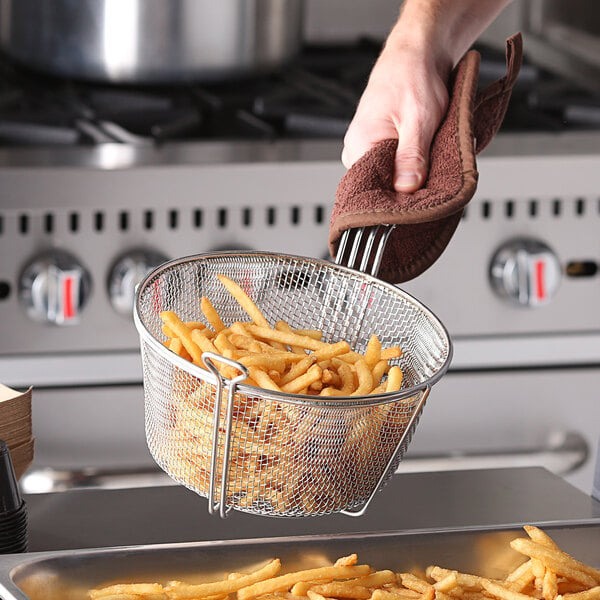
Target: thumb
{"points": [[412, 159]]}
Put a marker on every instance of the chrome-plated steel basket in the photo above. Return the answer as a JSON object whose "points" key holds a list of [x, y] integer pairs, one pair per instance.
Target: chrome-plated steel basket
{"points": [[271, 453]]}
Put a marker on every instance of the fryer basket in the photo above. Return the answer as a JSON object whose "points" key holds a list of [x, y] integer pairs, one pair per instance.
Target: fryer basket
{"points": [[270, 453]]}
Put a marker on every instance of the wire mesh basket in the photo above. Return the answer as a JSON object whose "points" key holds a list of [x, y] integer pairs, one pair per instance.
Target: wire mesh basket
{"points": [[267, 452]]}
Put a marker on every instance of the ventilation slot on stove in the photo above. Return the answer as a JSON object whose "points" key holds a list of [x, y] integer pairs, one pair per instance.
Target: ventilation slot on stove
{"points": [[222, 218], [581, 268], [509, 209], [295, 215], [49, 223], [148, 220], [247, 217], [486, 209], [4, 290], [24, 224], [533, 208], [74, 222], [556, 207], [580, 207], [123, 220], [173, 219], [99, 221], [1, 224], [271, 216], [197, 217], [319, 214]]}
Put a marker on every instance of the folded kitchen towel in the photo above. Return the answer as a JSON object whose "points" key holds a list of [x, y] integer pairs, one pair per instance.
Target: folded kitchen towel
{"points": [[426, 219]]}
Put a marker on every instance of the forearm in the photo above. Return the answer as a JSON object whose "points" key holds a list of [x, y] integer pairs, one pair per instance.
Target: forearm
{"points": [[443, 28]]}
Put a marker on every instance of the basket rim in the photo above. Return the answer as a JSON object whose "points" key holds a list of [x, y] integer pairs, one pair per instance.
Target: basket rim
{"points": [[298, 399]]}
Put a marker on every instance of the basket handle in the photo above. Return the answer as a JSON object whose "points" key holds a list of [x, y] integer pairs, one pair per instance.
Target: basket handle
{"points": [[208, 359], [407, 431]]}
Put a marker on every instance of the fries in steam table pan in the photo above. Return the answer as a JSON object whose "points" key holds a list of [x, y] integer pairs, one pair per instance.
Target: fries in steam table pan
{"points": [[546, 573], [280, 358]]}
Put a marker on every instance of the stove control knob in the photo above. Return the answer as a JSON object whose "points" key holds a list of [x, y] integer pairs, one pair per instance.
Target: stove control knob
{"points": [[54, 288], [526, 272], [126, 273]]}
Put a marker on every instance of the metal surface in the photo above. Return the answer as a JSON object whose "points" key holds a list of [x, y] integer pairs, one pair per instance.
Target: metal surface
{"points": [[70, 574], [412, 501], [151, 41], [304, 456], [366, 256]]}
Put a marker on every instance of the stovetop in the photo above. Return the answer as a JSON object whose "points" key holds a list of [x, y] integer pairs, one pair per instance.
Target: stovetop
{"points": [[315, 97]]}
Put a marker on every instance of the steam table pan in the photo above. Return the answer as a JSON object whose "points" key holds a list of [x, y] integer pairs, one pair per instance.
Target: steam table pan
{"points": [[69, 574], [271, 453]]}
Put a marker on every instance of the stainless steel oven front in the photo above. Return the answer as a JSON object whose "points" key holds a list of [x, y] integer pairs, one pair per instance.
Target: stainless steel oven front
{"points": [[518, 289]]}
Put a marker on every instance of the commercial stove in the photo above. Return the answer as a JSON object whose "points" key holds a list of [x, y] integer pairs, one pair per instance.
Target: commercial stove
{"points": [[99, 184]]}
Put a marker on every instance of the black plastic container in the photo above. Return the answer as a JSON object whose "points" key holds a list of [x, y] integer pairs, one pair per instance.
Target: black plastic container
{"points": [[13, 510]]}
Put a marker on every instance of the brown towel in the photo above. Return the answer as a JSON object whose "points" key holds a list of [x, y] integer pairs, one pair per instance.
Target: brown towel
{"points": [[426, 219]]}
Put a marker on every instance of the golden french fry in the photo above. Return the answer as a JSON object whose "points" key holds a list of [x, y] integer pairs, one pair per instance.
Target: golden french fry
{"points": [[226, 586], [339, 589], [524, 569], [298, 369], [293, 387], [212, 316], [591, 594], [390, 353], [373, 352], [447, 583], [126, 588], [379, 370], [346, 375], [499, 591], [541, 537], [395, 376], [549, 585], [283, 337], [557, 560], [283, 326], [222, 344], [203, 343], [263, 379], [346, 561], [412, 582], [381, 594], [365, 378], [135, 597], [244, 300], [283, 582], [375, 579], [182, 331]]}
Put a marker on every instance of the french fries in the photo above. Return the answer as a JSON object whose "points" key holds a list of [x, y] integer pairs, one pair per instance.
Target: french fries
{"points": [[299, 351], [282, 458], [345, 579]]}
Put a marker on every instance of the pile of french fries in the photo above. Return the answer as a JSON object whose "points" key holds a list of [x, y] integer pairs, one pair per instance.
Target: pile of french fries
{"points": [[280, 358], [548, 573], [284, 459]]}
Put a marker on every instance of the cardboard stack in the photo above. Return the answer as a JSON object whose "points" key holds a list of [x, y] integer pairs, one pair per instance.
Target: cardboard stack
{"points": [[15, 427]]}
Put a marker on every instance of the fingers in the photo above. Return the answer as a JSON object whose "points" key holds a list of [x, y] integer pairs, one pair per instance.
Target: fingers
{"points": [[362, 135], [412, 156]]}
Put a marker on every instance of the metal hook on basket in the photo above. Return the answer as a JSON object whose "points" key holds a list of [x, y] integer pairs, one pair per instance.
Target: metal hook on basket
{"points": [[208, 358], [351, 250], [404, 441]]}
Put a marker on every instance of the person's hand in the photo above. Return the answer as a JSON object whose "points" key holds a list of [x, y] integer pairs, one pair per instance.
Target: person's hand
{"points": [[406, 98]]}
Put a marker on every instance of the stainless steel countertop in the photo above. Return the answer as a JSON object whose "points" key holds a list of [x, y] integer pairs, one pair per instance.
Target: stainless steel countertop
{"points": [[483, 499]]}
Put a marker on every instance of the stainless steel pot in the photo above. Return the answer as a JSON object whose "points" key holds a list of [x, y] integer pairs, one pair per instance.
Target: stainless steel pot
{"points": [[151, 41]]}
